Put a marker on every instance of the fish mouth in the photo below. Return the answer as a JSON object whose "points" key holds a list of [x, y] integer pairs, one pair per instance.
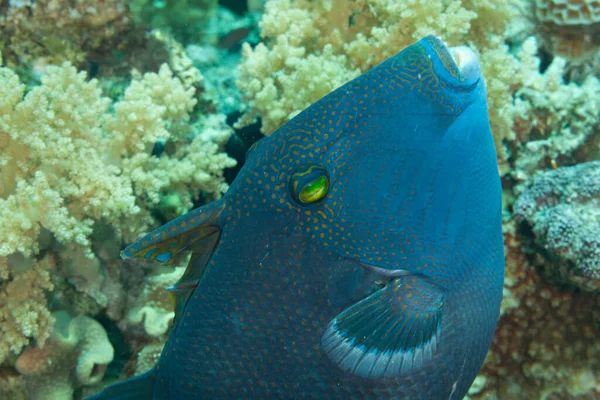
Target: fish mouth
{"points": [[457, 66], [466, 61]]}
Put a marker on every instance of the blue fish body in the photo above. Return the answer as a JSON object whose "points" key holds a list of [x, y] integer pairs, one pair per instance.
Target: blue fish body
{"points": [[357, 255]]}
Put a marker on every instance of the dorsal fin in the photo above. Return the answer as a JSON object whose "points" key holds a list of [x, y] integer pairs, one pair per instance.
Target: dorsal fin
{"points": [[183, 289], [197, 231], [180, 234]]}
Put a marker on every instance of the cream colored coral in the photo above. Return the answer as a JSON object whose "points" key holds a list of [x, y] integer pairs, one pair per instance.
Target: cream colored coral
{"points": [[155, 307], [148, 357], [23, 310], [151, 105], [191, 169], [67, 161], [312, 47], [51, 151]]}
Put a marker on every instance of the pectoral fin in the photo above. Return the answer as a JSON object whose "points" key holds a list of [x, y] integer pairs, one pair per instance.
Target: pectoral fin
{"points": [[395, 331]]}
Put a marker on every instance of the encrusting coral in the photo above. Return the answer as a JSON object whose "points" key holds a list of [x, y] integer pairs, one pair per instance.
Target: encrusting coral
{"points": [[554, 123], [81, 342], [155, 307], [570, 29], [563, 208], [547, 343]]}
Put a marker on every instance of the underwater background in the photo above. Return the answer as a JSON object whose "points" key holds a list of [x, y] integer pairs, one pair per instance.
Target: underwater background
{"points": [[117, 116]]}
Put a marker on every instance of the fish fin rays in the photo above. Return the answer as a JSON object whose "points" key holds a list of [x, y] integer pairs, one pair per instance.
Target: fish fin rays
{"points": [[185, 286], [393, 332], [180, 234]]}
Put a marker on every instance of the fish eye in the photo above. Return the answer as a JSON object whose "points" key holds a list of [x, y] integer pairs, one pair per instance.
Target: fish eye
{"points": [[309, 184]]}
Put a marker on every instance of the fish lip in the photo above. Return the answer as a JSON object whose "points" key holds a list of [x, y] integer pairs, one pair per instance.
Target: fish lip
{"points": [[457, 66], [467, 62]]}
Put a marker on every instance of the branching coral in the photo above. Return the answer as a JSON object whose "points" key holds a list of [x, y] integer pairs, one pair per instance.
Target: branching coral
{"points": [[71, 161], [75, 162], [23, 310], [554, 123], [312, 47], [50, 152]]}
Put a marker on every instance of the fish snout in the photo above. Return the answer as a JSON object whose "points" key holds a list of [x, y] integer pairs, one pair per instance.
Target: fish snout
{"points": [[467, 62], [456, 66]]}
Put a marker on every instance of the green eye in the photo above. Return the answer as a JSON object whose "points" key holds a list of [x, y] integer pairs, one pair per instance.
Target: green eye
{"points": [[309, 184]]}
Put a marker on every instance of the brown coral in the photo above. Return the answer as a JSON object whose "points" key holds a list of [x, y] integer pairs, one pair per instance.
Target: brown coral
{"points": [[62, 30], [77, 354], [570, 28], [547, 341]]}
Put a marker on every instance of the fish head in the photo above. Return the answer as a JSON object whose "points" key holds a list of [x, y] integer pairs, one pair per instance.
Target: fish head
{"points": [[377, 168], [367, 229]]}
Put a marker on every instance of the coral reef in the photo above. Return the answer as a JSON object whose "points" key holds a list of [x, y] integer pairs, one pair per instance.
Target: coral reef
{"points": [[53, 31], [569, 28], [563, 209], [219, 63], [185, 19], [311, 48], [79, 174], [554, 123], [81, 342], [155, 307], [23, 311], [76, 163], [540, 122], [547, 342], [88, 165], [148, 357]]}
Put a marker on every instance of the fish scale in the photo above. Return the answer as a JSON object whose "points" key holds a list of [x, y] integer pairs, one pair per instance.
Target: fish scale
{"points": [[357, 255]]}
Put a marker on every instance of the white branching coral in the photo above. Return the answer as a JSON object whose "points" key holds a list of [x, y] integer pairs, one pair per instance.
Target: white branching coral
{"points": [[23, 311], [68, 161], [312, 47]]}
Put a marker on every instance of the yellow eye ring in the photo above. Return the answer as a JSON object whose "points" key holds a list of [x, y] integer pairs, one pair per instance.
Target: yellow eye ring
{"points": [[309, 184], [315, 190]]}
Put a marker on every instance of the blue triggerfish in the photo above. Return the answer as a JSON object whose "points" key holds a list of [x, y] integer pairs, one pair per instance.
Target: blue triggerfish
{"points": [[357, 255]]}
